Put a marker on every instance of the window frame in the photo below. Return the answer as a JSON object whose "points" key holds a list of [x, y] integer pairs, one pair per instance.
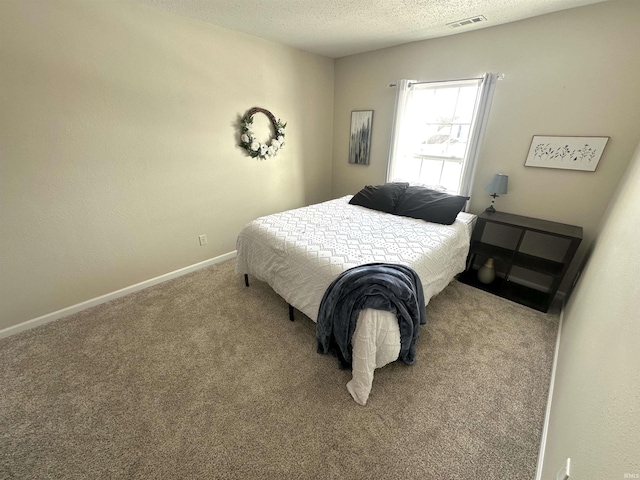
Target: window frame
{"points": [[399, 150]]}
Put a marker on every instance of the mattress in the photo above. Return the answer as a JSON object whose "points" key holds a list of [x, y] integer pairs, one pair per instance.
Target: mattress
{"points": [[300, 252]]}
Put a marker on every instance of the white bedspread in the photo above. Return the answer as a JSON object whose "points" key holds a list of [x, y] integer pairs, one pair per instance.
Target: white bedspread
{"points": [[376, 342], [300, 252]]}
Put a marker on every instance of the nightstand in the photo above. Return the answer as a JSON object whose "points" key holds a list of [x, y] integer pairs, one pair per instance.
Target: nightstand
{"points": [[531, 256]]}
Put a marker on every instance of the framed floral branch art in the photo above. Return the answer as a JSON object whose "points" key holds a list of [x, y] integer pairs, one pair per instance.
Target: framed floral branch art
{"points": [[570, 153], [252, 145]]}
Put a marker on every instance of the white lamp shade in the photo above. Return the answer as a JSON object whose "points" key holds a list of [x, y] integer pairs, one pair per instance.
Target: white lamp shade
{"points": [[498, 184]]}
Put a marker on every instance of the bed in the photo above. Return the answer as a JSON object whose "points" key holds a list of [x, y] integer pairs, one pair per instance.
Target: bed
{"points": [[300, 252]]}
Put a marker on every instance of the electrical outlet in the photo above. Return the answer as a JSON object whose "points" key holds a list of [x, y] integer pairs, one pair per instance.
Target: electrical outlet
{"points": [[203, 239], [563, 473]]}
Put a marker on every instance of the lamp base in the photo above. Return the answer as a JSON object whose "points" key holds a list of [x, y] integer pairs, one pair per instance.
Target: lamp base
{"points": [[490, 209]]}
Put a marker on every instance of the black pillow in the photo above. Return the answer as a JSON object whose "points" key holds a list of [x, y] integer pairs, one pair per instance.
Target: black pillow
{"points": [[430, 205], [379, 197]]}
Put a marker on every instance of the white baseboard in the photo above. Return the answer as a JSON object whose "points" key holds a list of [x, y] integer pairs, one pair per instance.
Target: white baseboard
{"points": [[50, 317], [552, 381]]}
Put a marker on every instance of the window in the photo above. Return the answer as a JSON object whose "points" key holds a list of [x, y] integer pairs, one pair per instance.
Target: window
{"points": [[437, 131]]}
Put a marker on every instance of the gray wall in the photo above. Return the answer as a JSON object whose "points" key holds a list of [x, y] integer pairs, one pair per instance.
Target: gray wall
{"points": [[595, 409], [119, 145]]}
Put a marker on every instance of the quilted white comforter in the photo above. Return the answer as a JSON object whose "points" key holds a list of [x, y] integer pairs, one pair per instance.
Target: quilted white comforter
{"points": [[300, 252]]}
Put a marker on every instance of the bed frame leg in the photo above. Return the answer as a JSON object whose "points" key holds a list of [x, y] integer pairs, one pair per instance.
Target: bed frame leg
{"points": [[246, 280], [291, 317]]}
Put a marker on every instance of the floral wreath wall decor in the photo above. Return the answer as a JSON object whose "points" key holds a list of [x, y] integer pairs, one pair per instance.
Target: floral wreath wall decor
{"points": [[250, 143]]}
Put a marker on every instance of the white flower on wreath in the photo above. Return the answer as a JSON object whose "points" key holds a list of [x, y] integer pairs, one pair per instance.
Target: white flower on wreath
{"points": [[255, 146], [271, 151], [275, 144], [263, 149], [281, 139], [245, 138]]}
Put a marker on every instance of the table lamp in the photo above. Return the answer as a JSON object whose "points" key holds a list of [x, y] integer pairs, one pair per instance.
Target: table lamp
{"points": [[497, 187]]}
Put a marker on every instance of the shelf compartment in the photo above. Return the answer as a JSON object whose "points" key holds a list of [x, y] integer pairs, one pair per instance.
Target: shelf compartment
{"points": [[537, 264], [524, 260], [513, 291], [493, 251]]}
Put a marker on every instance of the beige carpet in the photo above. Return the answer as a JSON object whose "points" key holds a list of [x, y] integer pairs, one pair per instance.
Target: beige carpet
{"points": [[201, 377]]}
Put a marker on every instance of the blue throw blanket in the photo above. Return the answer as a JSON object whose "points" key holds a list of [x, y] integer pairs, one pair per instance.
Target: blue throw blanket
{"points": [[381, 286]]}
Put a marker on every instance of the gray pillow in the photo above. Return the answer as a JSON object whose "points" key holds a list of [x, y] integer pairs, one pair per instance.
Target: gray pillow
{"points": [[379, 197], [430, 205]]}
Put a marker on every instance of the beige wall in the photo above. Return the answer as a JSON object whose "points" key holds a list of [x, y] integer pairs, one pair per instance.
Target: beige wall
{"points": [[118, 145], [573, 72], [595, 409]]}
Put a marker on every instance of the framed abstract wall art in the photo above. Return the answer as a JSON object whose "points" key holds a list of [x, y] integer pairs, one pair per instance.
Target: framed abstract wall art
{"points": [[360, 138]]}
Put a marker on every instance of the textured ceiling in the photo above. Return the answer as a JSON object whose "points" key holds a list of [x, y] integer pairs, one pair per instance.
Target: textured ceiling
{"points": [[336, 28]]}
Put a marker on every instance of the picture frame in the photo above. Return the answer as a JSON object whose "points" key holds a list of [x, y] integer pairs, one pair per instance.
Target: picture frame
{"points": [[360, 137], [569, 153]]}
